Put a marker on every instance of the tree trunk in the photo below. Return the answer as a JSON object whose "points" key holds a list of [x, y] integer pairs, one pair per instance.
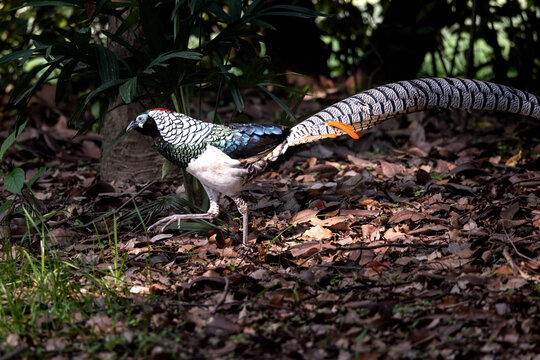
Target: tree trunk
{"points": [[132, 159]]}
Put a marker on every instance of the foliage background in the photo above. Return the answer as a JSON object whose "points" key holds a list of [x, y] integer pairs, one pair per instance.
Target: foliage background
{"points": [[211, 45]]}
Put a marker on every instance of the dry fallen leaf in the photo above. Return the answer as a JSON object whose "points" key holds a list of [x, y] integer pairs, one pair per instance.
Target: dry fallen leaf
{"points": [[303, 216], [317, 232], [504, 270], [309, 248], [405, 215], [370, 232], [359, 212], [393, 235], [389, 169], [513, 160], [139, 290]]}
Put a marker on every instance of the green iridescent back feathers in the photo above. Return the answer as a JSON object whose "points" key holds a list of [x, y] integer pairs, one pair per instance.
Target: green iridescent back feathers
{"points": [[180, 138]]}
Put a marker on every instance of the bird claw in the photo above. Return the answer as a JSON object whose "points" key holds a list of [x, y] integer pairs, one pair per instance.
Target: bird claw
{"points": [[168, 221]]}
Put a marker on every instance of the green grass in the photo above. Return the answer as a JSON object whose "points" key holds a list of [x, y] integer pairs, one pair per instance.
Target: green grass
{"points": [[47, 297]]}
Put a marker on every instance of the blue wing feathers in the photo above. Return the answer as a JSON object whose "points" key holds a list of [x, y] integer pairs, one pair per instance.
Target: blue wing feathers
{"points": [[253, 139], [259, 129]]}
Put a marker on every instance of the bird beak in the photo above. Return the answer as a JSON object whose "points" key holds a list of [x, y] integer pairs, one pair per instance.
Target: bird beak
{"points": [[132, 125]]}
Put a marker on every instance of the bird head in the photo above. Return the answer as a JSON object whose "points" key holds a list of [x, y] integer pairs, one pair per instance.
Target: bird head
{"points": [[144, 124]]}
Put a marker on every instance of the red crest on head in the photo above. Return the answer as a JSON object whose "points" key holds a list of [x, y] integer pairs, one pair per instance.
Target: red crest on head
{"points": [[162, 109]]}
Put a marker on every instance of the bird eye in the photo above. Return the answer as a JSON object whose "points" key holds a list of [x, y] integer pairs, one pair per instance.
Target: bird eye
{"points": [[141, 119]]}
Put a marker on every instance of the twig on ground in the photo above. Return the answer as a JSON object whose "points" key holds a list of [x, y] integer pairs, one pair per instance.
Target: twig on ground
{"points": [[517, 251], [223, 296], [516, 269]]}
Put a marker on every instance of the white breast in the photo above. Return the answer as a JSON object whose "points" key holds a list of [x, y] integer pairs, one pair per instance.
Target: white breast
{"points": [[218, 171]]}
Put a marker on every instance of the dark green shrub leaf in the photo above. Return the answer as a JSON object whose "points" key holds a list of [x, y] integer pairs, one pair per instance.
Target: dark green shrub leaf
{"points": [[290, 10], [10, 140], [81, 105], [69, 3], [237, 97], [235, 9], [5, 206], [117, 39], [82, 37], [263, 24], [220, 14], [107, 64], [14, 181], [131, 19], [20, 54], [153, 26], [64, 79], [281, 104], [128, 89], [254, 6], [161, 59], [425, 29], [166, 168]]}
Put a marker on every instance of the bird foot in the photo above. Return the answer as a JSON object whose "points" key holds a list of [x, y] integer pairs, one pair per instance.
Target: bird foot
{"points": [[168, 221]]}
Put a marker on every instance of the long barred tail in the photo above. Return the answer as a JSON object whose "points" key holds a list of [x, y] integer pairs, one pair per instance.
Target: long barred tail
{"points": [[368, 108]]}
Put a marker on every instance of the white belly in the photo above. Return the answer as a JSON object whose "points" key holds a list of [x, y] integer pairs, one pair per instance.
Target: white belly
{"points": [[218, 171]]}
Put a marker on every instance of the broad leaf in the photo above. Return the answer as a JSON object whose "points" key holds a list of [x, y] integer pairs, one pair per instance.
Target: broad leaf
{"points": [[290, 10], [14, 181], [5, 206], [128, 89], [20, 54], [161, 59], [64, 79], [237, 97], [235, 9], [68, 3], [254, 6], [81, 106], [107, 64], [166, 168], [284, 106], [117, 39], [153, 27], [129, 21], [220, 14], [10, 140]]}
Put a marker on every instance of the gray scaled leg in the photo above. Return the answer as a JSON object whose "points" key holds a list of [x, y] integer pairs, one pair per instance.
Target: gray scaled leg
{"points": [[243, 209], [212, 212]]}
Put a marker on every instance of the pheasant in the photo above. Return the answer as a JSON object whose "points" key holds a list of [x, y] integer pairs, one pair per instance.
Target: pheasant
{"points": [[226, 158]]}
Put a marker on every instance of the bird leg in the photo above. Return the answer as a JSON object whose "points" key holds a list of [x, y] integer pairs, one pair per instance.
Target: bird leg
{"points": [[212, 212], [242, 209]]}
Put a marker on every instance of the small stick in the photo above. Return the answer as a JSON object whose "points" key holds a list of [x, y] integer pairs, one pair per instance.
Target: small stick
{"points": [[223, 297]]}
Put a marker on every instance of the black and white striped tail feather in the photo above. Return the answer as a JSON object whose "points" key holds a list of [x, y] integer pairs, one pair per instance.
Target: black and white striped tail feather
{"points": [[366, 109]]}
